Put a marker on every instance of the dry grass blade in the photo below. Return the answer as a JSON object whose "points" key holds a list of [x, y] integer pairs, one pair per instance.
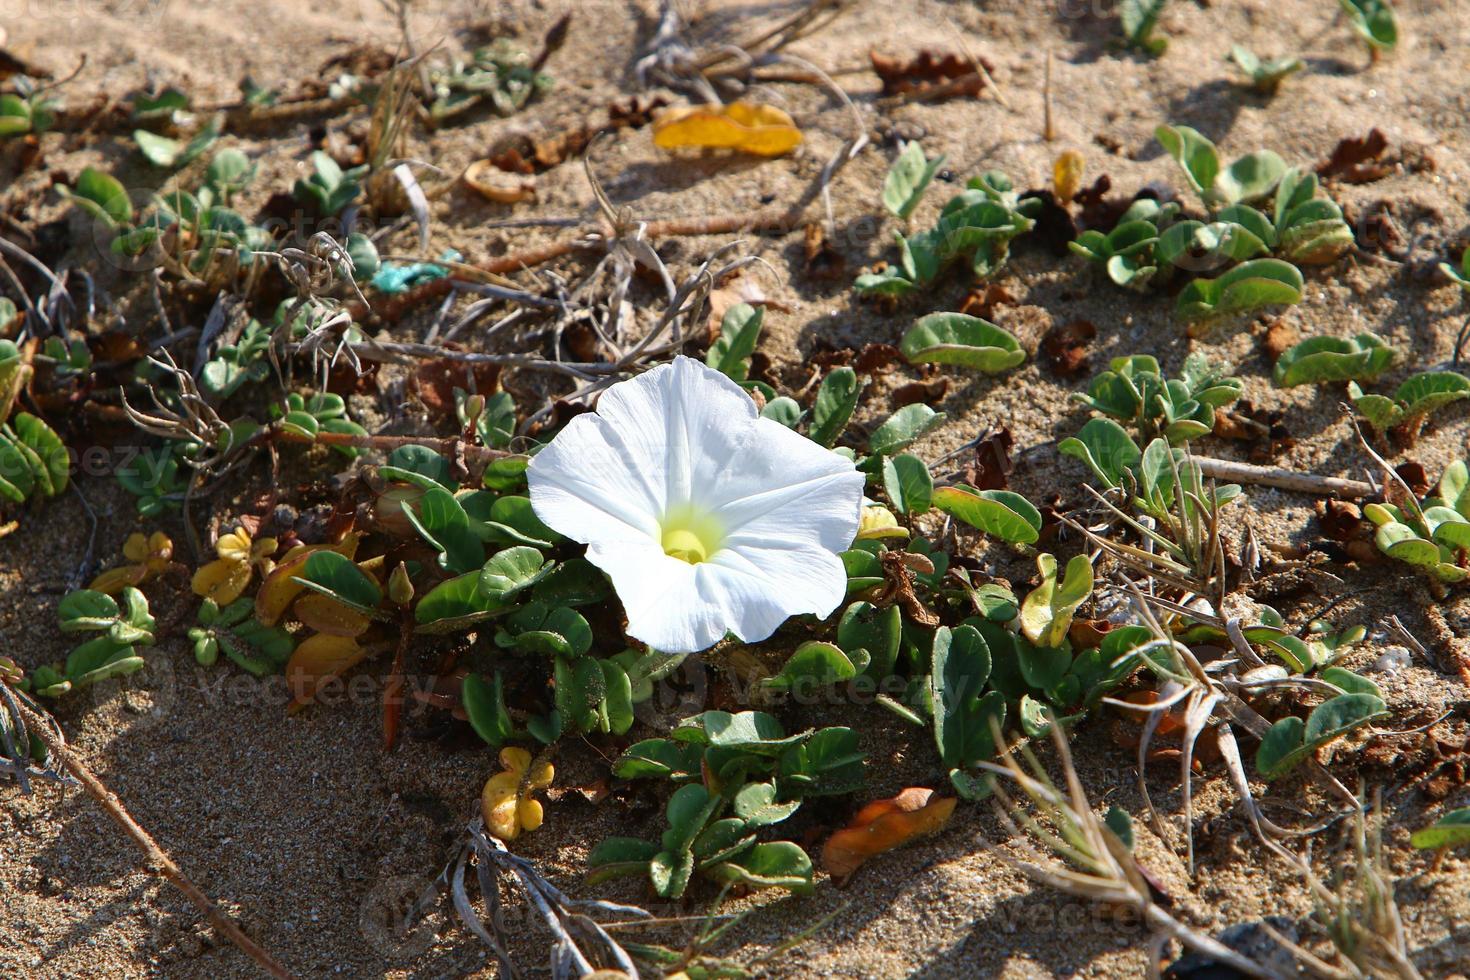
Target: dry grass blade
{"points": [[1102, 868], [581, 944]]}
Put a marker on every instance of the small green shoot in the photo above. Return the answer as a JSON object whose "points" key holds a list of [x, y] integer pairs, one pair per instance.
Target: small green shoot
{"points": [[908, 178], [1324, 360], [1411, 404], [1374, 22], [1139, 19], [1265, 76]]}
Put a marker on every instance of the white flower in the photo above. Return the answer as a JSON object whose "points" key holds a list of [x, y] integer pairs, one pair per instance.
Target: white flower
{"points": [[707, 518]]}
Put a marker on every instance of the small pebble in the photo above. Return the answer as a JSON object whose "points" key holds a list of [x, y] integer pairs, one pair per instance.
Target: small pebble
{"points": [[1392, 661]]}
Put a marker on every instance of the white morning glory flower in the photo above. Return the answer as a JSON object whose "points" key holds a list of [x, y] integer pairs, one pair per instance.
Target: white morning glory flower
{"points": [[708, 518]]}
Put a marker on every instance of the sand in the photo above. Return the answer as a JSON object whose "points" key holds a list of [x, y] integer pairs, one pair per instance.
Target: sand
{"points": [[303, 825]]}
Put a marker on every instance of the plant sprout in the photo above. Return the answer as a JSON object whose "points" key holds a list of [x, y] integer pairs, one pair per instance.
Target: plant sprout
{"points": [[1265, 76], [1374, 22]]}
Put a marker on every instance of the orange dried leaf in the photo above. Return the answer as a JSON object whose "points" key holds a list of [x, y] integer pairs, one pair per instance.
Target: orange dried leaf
{"points": [[319, 659], [745, 126], [883, 825], [500, 186], [280, 588], [326, 615]]}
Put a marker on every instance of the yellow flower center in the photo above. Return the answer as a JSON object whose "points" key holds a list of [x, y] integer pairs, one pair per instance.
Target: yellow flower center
{"points": [[690, 535]]}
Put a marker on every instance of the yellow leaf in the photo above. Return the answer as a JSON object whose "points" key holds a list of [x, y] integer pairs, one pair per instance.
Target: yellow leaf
{"points": [[135, 548], [326, 615], [506, 801], [879, 522], [746, 126], [279, 589], [222, 580], [114, 580], [319, 659], [1066, 175], [234, 545]]}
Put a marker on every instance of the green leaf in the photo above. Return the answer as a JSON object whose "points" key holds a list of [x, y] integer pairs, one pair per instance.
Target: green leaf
{"points": [[830, 762], [1194, 153], [1106, 448], [755, 803], [740, 329], [748, 731], [1373, 21], [540, 629], [420, 466], [968, 341], [875, 630], [1249, 178], [1450, 830], [908, 484], [959, 669], [336, 575], [441, 521], [85, 609], [1248, 286], [837, 398], [815, 664], [999, 513], [784, 410], [908, 178], [617, 706], [619, 857], [1139, 18], [455, 605], [581, 687], [777, 864], [485, 705], [659, 758], [1046, 612], [510, 572], [1323, 360], [102, 196], [170, 153], [1290, 740], [902, 428], [574, 582]]}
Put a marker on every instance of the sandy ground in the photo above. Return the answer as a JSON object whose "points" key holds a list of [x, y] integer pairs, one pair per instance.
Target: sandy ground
{"points": [[303, 826]]}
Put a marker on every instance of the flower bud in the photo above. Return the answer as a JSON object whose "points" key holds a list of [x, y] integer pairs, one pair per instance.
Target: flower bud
{"points": [[400, 588]]}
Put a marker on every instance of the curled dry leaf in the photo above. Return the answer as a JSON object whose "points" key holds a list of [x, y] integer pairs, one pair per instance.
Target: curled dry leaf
{"points": [[883, 825], [822, 260], [926, 392], [1358, 160], [748, 127], [982, 300], [500, 186], [1065, 346], [928, 74], [1279, 338], [992, 466]]}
